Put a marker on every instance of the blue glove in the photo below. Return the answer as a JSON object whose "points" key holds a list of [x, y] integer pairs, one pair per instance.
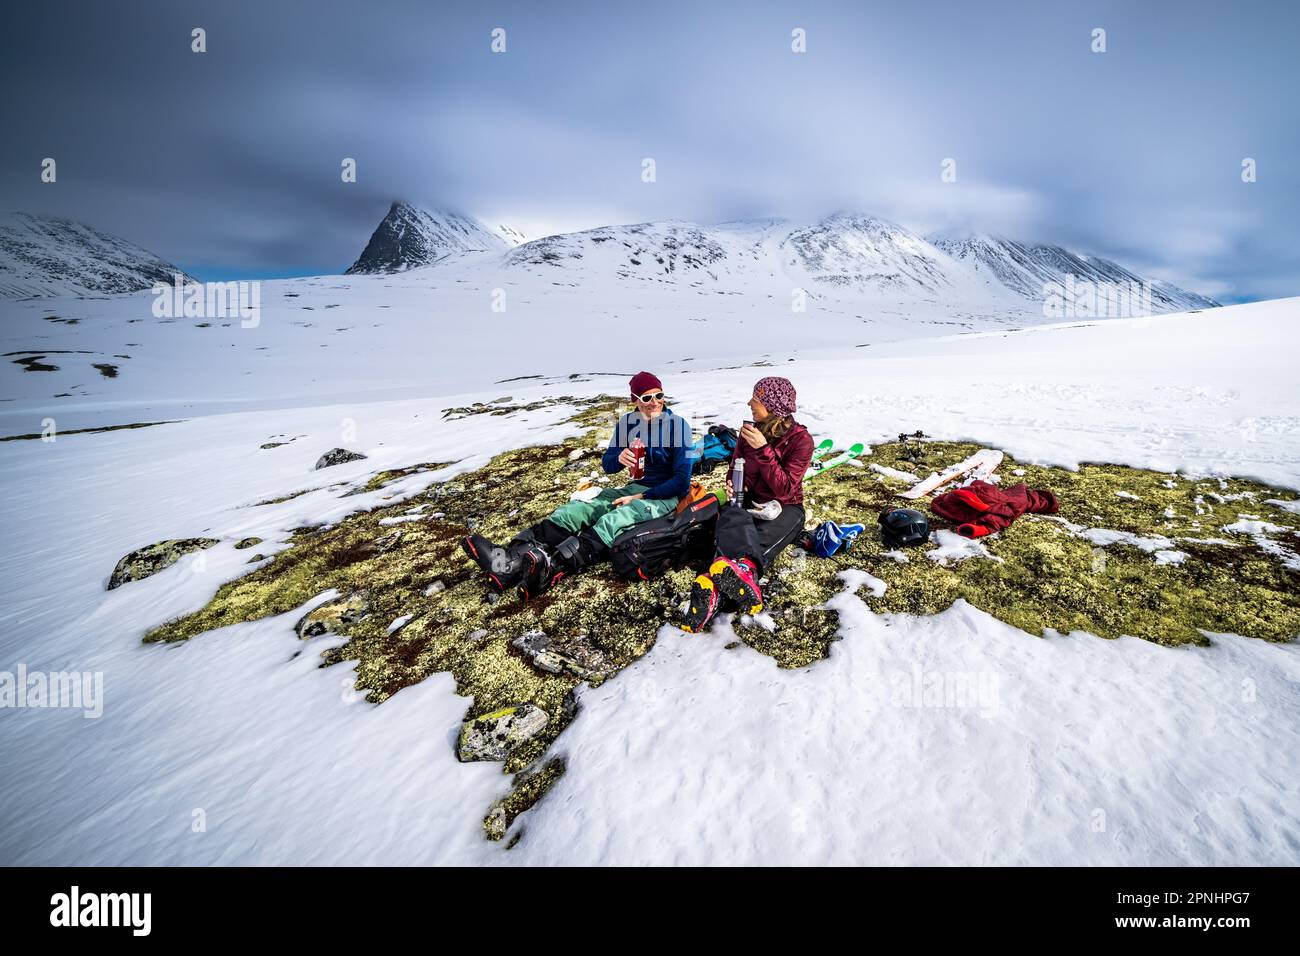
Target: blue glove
{"points": [[850, 532]]}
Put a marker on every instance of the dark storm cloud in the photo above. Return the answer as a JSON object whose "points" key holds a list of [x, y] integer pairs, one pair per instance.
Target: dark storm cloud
{"points": [[228, 162]]}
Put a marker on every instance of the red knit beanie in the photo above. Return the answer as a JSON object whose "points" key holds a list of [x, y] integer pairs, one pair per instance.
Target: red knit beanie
{"points": [[642, 382]]}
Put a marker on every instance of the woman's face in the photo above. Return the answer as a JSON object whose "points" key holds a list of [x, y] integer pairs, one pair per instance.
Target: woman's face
{"points": [[652, 408], [758, 410]]}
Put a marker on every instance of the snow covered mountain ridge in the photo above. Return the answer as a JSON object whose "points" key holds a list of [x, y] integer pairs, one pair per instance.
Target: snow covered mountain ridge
{"points": [[848, 255], [1027, 269], [47, 256]]}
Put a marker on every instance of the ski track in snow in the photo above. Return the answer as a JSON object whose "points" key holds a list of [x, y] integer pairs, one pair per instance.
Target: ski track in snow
{"points": [[694, 754]]}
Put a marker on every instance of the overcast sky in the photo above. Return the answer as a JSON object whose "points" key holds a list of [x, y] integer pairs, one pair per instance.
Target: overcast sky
{"points": [[227, 162]]}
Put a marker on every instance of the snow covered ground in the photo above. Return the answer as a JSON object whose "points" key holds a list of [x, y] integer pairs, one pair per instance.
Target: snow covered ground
{"points": [[331, 339], [1067, 749]]}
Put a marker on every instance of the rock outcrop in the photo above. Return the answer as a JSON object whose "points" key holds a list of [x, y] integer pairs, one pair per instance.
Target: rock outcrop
{"points": [[148, 561]]}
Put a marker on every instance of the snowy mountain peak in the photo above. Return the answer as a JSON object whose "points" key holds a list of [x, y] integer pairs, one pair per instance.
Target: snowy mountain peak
{"points": [[851, 249], [659, 251], [48, 256], [862, 222], [512, 236], [411, 236]]}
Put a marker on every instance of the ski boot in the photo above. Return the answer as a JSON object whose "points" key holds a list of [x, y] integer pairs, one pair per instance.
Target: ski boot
{"points": [[737, 579], [504, 567], [545, 567]]}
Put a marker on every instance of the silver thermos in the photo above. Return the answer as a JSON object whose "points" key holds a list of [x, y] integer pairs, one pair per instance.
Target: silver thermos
{"points": [[738, 482]]}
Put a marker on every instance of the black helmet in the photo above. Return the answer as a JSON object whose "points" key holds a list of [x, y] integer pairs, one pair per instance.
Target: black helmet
{"points": [[904, 527]]}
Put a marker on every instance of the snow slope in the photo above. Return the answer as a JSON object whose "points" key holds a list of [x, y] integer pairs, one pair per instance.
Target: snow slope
{"points": [[45, 256], [436, 329], [1072, 751], [1078, 751], [1027, 269]]}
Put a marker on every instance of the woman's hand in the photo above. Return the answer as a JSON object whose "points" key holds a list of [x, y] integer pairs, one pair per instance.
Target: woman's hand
{"points": [[618, 502], [753, 436], [626, 458]]}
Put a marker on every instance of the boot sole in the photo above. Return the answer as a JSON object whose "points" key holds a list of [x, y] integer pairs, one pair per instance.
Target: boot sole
{"points": [[730, 585], [542, 589], [528, 589], [699, 617]]}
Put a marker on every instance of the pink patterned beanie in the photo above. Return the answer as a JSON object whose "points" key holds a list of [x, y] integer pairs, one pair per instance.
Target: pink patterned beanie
{"points": [[776, 394]]}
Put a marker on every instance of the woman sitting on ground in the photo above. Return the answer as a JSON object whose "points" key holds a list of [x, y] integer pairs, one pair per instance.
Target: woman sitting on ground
{"points": [[768, 512], [579, 533]]}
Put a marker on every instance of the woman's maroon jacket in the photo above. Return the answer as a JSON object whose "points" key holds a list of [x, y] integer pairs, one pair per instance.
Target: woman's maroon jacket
{"points": [[774, 472]]}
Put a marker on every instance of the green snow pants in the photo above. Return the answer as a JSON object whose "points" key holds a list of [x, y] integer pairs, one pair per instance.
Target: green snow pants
{"points": [[604, 519]]}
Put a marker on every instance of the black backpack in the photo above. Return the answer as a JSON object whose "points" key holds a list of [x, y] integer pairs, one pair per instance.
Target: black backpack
{"points": [[652, 547]]}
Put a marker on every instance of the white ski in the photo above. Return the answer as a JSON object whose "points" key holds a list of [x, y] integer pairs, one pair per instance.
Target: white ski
{"points": [[979, 465]]}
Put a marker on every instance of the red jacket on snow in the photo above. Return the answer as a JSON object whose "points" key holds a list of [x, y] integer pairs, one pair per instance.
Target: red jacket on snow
{"points": [[774, 472], [981, 508]]}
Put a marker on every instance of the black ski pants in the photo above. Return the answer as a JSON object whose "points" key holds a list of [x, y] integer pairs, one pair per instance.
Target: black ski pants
{"points": [[741, 535]]}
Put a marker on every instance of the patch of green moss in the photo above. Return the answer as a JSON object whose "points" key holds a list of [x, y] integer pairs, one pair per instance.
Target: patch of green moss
{"points": [[385, 477], [528, 789], [501, 406], [1050, 576], [283, 498], [31, 436]]}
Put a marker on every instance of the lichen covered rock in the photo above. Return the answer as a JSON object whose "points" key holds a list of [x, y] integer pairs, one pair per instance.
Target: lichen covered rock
{"points": [[496, 735], [338, 616], [150, 560], [337, 456], [577, 656]]}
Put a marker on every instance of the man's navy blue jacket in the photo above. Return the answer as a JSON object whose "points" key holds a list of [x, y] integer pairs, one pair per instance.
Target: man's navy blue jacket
{"points": [[668, 457]]}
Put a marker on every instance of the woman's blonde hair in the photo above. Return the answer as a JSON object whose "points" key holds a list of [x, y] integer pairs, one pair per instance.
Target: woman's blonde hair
{"points": [[774, 426]]}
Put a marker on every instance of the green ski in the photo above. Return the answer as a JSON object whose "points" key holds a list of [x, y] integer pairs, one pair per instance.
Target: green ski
{"points": [[819, 467], [822, 450]]}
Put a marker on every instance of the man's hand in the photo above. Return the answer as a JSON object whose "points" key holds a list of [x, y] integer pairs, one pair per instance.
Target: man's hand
{"points": [[626, 458], [618, 502], [730, 493], [753, 436]]}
